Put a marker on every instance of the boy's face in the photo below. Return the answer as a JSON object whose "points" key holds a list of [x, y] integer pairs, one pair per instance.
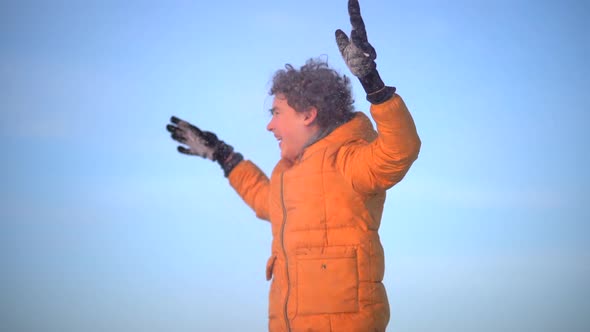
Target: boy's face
{"points": [[293, 129]]}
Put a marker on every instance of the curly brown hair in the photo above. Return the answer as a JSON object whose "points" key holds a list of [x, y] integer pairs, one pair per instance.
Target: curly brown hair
{"points": [[317, 85]]}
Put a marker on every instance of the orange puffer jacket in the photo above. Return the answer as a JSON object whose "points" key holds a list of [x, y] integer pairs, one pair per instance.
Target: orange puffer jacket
{"points": [[327, 261]]}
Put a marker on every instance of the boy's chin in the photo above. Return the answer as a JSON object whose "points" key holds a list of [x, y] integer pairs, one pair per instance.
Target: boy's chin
{"points": [[286, 155]]}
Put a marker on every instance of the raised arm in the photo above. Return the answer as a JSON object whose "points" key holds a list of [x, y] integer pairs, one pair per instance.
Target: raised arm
{"points": [[380, 164], [253, 186], [249, 181]]}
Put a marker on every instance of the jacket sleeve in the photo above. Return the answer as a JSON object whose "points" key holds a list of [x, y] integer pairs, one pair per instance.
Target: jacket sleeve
{"points": [[253, 186], [380, 164]]}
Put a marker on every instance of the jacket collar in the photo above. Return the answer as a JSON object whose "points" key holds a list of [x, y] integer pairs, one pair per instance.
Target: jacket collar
{"points": [[358, 128]]}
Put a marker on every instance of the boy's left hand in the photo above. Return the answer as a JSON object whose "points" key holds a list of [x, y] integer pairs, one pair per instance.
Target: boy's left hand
{"points": [[357, 52]]}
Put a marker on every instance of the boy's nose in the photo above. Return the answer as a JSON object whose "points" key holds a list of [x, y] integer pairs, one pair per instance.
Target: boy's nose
{"points": [[270, 126]]}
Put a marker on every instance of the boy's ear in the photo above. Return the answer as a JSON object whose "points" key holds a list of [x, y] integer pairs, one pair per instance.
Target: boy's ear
{"points": [[310, 115]]}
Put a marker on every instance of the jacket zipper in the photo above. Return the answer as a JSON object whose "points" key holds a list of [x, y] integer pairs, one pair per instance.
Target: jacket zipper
{"points": [[285, 254]]}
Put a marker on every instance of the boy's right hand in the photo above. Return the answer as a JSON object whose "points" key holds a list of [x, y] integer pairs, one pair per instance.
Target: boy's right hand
{"points": [[200, 143], [204, 144]]}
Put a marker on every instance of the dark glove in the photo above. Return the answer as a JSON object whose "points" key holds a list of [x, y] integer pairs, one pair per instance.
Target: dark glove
{"points": [[360, 57], [204, 144]]}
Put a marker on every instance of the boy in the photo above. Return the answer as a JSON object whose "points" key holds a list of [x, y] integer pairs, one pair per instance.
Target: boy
{"points": [[325, 196]]}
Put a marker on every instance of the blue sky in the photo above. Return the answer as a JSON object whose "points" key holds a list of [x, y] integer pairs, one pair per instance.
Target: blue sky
{"points": [[105, 227]]}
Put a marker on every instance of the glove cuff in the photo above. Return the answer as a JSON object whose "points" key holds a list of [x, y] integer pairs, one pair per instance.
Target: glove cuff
{"points": [[229, 164], [377, 92], [226, 157]]}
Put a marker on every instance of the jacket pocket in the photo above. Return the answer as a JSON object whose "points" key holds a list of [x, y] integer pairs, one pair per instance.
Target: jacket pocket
{"points": [[270, 264], [327, 280]]}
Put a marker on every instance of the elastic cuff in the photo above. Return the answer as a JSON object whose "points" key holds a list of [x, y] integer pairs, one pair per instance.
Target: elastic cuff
{"points": [[231, 162], [225, 156], [381, 96], [377, 92]]}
